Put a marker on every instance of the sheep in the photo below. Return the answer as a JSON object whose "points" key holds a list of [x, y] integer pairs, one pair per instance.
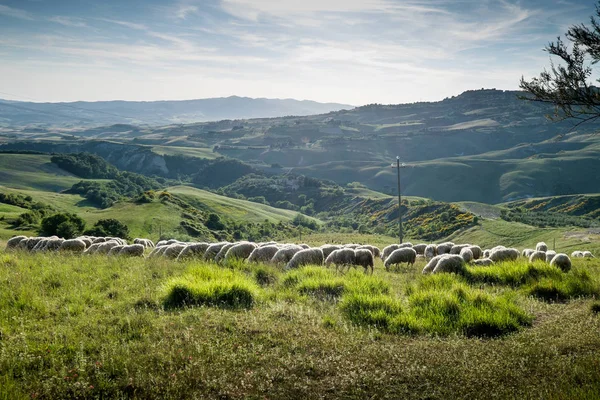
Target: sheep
{"points": [[430, 251], [14, 242], [99, 240], [388, 250], [483, 262], [40, 246], [30, 243], [85, 240], [328, 249], [172, 251], [364, 258], [450, 263], [92, 249], [240, 251], [444, 248], [486, 253], [431, 264], [477, 252], [550, 255], [588, 254], [561, 261], [466, 254], [305, 257], [74, 245], [527, 253], [195, 250], [373, 249], [457, 248], [537, 255], [351, 246], [115, 250], [504, 254], [405, 255], [304, 246], [53, 244], [341, 257], [133, 250], [284, 255], [577, 254], [420, 248], [106, 246], [212, 250], [541, 246], [262, 254], [147, 243], [272, 243], [221, 254], [158, 252]]}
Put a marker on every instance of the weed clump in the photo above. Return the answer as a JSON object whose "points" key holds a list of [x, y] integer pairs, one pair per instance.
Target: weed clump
{"points": [[210, 286], [577, 283]]}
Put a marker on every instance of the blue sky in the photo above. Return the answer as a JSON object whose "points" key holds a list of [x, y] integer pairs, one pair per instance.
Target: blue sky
{"points": [[348, 51]]}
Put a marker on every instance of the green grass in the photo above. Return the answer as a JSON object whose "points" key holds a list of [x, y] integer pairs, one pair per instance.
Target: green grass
{"points": [[98, 327], [34, 172], [199, 152]]}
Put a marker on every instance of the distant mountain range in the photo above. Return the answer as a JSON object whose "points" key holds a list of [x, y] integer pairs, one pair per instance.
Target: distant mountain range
{"points": [[82, 113]]}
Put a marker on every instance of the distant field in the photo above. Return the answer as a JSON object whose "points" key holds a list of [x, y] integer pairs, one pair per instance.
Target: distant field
{"points": [[24, 171], [200, 152]]}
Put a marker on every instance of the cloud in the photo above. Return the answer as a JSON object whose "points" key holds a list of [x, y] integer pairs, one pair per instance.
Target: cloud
{"points": [[15, 13], [127, 24], [68, 21], [182, 11]]}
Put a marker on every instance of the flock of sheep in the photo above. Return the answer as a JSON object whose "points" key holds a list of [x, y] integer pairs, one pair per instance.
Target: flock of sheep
{"points": [[444, 257]]}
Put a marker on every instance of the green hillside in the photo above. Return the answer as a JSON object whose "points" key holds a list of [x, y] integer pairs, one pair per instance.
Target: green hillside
{"points": [[24, 171]]}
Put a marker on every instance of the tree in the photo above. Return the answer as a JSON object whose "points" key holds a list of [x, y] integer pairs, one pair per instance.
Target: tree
{"points": [[567, 85], [64, 225], [109, 227]]}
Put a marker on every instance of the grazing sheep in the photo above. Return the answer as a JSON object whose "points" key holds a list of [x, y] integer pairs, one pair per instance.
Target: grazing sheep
{"points": [[53, 244], [504, 254], [172, 251], [147, 243], [373, 249], [483, 262], [30, 243], [99, 240], [40, 246], [158, 252], [221, 254], [577, 254], [115, 250], [444, 248], [305, 257], [477, 252], [550, 255], [284, 255], [466, 254], [74, 245], [388, 250], [263, 254], [14, 242], [93, 248], [194, 250], [588, 254], [527, 253], [161, 243], [304, 246], [450, 263], [106, 246], [213, 250], [86, 240], [456, 249], [561, 261], [240, 251], [341, 258], [420, 248], [272, 243], [486, 253], [537, 256], [541, 246], [399, 256], [351, 246], [429, 252], [329, 248], [364, 258], [133, 250], [431, 264]]}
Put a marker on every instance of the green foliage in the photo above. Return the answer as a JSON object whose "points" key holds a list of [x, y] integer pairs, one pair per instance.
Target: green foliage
{"points": [[63, 225], [301, 220], [575, 284], [221, 172], [514, 273], [109, 227], [211, 287], [85, 165]]}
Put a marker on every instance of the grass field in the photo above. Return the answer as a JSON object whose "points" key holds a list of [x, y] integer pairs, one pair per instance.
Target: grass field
{"points": [[24, 171], [200, 152], [99, 327]]}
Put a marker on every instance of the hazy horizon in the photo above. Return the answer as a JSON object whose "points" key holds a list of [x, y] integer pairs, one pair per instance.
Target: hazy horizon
{"points": [[330, 51]]}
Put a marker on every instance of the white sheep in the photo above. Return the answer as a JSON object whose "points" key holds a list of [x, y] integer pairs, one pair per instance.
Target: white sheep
{"points": [[14, 242], [577, 254], [306, 257], [221, 254], [105, 247], [172, 251], [194, 250], [73, 245], [486, 253], [147, 243], [53, 244], [86, 240], [364, 258], [351, 246], [430, 252], [588, 254], [504, 254], [239, 251], [341, 258], [263, 254], [466, 254], [541, 246], [373, 249], [550, 255], [99, 240], [213, 250], [329, 248], [115, 250], [399, 256], [444, 248], [420, 248], [285, 254], [457, 248], [561, 261], [537, 256], [93, 248], [132, 250], [527, 253], [477, 252], [388, 250], [450, 263], [483, 262], [431, 264]]}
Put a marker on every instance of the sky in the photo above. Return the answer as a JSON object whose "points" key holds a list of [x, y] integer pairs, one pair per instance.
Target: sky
{"points": [[346, 51]]}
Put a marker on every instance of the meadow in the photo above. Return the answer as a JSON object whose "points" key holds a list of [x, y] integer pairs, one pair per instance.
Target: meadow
{"points": [[99, 327]]}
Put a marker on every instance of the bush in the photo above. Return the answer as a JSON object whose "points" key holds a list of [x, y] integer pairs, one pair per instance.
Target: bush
{"points": [[211, 287], [109, 227], [64, 225]]}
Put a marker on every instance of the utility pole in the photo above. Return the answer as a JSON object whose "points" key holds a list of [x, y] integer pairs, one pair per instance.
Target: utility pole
{"points": [[400, 232]]}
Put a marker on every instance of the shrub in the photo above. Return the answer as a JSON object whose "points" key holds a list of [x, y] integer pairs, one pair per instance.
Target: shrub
{"points": [[64, 225], [109, 227], [595, 307]]}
